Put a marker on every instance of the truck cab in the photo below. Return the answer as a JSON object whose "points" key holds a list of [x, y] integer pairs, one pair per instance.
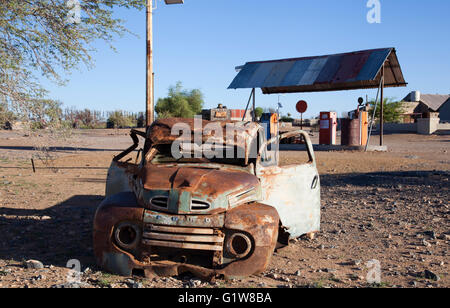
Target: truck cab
{"points": [[209, 198]]}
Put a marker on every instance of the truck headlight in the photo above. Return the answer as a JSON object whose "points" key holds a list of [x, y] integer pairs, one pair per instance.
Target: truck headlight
{"points": [[239, 245], [127, 235]]}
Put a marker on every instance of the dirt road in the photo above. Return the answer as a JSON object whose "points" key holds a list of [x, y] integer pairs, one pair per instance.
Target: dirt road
{"points": [[389, 207]]}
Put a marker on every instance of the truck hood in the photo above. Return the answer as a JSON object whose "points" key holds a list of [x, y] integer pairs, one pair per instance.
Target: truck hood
{"points": [[196, 190]]}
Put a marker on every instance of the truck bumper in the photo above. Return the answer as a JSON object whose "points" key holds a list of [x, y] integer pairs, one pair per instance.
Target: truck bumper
{"points": [[234, 244]]}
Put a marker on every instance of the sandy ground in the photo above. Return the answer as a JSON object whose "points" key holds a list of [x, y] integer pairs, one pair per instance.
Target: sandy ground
{"points": [[390, 207]]}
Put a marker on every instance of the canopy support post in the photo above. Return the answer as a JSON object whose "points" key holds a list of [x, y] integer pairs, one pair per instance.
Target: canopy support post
{"points": [[248, 104], [373, 115], [382, 108], [254, 105]]}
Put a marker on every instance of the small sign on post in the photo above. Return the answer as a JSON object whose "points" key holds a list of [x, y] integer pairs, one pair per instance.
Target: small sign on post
{"points": [[301, 107]]}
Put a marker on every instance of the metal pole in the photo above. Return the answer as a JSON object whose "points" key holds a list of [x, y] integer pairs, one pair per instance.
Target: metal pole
{"points": [[254, 104], [149, 77], [246, 108], [382, 109], [373, 115]]}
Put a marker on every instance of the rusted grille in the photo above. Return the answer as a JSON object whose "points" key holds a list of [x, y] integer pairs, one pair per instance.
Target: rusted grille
{"points": [[183, 237]]}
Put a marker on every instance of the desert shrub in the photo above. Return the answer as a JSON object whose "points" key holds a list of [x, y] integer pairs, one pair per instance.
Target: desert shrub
{"points": [[6, 117], [120, 119], [180, 103], [286, 119]]}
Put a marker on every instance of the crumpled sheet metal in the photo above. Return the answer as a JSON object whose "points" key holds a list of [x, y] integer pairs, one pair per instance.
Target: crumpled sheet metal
{"points": [[160, 132]]}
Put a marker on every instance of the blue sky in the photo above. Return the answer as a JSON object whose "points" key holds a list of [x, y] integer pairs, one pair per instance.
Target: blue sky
{"points": [[200, 43]]}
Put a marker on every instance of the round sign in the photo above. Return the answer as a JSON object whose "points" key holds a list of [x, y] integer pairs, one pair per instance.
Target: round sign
{"points": [[302, 106]]}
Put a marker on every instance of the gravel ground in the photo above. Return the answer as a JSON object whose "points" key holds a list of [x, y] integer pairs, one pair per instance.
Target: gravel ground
{"points": [[390, 207]]}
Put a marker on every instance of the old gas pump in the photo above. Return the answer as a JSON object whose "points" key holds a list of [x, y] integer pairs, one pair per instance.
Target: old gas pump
{"points": [[271, 124], [328, 127]]}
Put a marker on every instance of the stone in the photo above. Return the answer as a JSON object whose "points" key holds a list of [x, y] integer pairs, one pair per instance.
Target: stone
{"points": [[133, 284], [71, 285], [430, 275], [444, 237], [425, 243], [34, 264], [194, 283], [356, 262], [311, 236], [431, 234]]}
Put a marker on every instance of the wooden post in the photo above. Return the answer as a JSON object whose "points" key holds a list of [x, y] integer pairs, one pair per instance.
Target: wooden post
{"points": [[382, 108], [153, 94], [149, 78]]}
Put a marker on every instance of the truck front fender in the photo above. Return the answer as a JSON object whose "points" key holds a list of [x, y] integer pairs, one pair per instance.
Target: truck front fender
{"points": [[114, 210], [261, 222]]}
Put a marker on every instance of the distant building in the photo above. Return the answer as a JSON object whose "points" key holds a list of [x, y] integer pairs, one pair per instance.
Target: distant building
{"points": [[222, 113], [417, 105]]}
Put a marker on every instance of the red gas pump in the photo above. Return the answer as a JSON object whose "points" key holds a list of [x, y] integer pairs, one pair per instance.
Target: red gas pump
{"points": [[328, 127]]}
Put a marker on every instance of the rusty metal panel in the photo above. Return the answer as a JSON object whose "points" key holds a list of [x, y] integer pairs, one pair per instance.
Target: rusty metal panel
{"points": [[182, 245], [278, 73], [373, 64], [184, 230], [296, 73], [261, 74], [119, 179], [245, 74], [183, 238], [350, 67], [289, 190], [330, 69], [313, 71], [294, 191], [210, 221]]}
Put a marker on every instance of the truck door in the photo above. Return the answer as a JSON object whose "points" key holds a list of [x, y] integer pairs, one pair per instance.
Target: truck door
{"points": [[294, 190]]}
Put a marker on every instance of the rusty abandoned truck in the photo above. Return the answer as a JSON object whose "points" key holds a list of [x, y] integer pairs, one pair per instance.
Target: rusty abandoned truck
{"points": [[164, 215]]}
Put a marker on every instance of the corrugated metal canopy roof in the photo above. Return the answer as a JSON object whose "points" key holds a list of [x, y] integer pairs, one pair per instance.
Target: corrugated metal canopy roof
{"points": [[347, 71]]}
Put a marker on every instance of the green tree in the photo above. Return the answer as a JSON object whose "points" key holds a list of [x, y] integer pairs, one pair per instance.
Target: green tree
{"points": [[44, 113], [38, 38], [180, 103], [259, 112], [392, 111], [286, 119]]}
